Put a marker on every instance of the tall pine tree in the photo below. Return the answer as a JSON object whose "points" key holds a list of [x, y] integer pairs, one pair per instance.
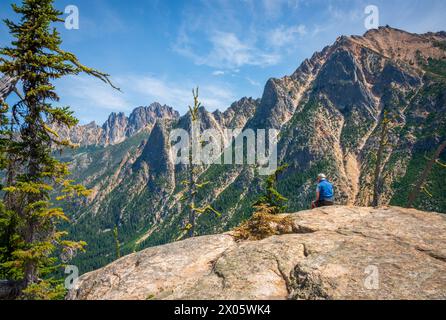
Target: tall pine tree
{"points": [[29, 221], [192, 184]]}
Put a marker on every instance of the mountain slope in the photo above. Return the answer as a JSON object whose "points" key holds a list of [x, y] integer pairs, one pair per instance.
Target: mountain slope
{"points": [[329, 113]]}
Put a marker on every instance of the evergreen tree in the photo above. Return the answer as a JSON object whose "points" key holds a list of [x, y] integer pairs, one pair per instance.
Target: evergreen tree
{"points": [[192, 184], [29, 234], [266, 220], [272, 201]]}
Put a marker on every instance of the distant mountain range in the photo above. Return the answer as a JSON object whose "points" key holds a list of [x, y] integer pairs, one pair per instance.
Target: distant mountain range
{"points": [[118, 126], [329, 113]]}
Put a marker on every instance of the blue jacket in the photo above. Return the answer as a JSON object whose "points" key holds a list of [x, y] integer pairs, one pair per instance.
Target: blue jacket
{"points": [[325, 190]]}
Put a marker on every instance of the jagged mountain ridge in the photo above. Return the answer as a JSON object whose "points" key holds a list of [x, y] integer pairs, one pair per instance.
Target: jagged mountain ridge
{"points": [[328, 111], [118, 126]]}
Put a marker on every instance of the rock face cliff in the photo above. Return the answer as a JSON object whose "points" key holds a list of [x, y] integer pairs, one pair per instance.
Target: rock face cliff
{"points": [[329, 253], [329, 113]]}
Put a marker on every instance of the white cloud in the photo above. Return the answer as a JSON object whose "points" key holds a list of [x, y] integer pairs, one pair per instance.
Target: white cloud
{"points": [[226, 36], [158, 90], [283, 36], [253, 82], [89, 92], [228, 52], [218, 73], [275, 8], [216, 97]]}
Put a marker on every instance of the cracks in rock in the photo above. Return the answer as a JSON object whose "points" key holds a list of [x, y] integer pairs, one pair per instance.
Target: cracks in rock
{"points": [[349, 232], [82, 292], [306, 251], [282, 274], [303, 284], [307, 286], [288, 278], [217, 272], [299, 229], [323, 211], [437, 256], [117, 275], [432, 254], [220, 275]]}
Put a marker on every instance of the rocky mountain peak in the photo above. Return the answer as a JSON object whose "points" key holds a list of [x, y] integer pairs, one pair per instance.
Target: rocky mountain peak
{"points": [[142, 117], [156, 151], [152, 112], [155, 164], [114, 128], [119, 127], [238, 113], [400, 45]]}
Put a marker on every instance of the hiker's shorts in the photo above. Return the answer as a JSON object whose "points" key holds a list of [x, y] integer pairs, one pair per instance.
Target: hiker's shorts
{"points": [[323, 203]]}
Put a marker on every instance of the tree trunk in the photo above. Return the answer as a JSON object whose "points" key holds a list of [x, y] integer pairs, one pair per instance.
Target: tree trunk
{"points": [[426, 172], [33, 169], [191, 230]]}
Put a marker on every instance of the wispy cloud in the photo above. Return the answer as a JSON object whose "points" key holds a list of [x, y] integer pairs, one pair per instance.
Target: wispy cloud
{"points": [[91, 99], [229, 52], [253, 82], [241, 33], [218, 73], [275, 8], [283, 36], [92, 93]]}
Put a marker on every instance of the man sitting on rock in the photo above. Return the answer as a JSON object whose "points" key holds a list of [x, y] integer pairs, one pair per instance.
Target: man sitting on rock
{"points": [[324, 193]]}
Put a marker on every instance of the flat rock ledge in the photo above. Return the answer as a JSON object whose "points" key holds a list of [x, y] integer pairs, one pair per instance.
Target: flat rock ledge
{"points": [[333, 253]]}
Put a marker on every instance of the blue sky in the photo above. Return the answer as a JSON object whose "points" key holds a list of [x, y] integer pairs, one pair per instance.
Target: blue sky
{"points": [[158, 50]]}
